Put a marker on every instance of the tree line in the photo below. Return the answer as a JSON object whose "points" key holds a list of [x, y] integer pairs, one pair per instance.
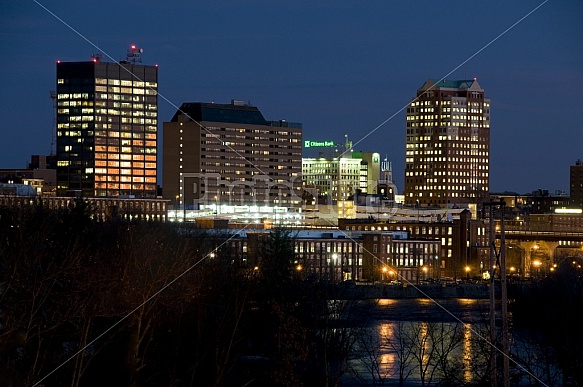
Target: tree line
{"points": [[139, 303], [125, 303]]}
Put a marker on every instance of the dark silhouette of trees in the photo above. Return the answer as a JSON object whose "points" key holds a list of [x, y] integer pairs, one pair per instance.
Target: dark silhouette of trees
{"points": [[551, 311], [137, 303]]}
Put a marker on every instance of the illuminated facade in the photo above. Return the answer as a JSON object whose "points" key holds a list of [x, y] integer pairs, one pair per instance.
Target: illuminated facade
{"points": [[463, 242], [106, 128], [447, 145], [337, 178], [334, 178], [229, 154]]}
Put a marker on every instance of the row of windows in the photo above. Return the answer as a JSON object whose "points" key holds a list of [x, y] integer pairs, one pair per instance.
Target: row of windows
{"points": [[122, 82], [118, 171], [454, 124], [254, 131], [124, 141], [124, 164], [451, 188], [123, 179], [128, 131], [116, 156], [116, 186]]}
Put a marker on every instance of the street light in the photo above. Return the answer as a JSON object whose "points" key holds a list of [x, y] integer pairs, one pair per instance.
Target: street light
{"points": [[467, 268], [537, 264]]}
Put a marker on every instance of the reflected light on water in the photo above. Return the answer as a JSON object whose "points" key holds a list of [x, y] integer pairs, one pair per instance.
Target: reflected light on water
{"points": [[416, 325], [387, 302], [467, 353], [466, 301], [386, 331]]}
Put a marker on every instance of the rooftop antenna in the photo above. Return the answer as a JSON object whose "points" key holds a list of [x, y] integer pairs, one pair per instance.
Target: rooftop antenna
{"points": [[134, 54], [96, 57], [53, 94], [347, 143]]}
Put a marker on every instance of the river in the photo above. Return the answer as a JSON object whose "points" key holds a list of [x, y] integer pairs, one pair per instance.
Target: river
{"points": [[421, 340]]}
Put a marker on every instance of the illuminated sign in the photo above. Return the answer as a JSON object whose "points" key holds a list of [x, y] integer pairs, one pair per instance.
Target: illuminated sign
{"points": [[317, 144]]}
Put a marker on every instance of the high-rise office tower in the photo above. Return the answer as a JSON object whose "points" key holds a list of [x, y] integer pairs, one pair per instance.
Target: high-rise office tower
{"points": [[106, 127], [447, 145], [229, 154]]}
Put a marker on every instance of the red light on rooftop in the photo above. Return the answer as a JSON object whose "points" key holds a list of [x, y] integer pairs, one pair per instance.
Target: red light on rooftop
{"points": [[94, 60], [58, 61], [475, 79], [133, 46]]}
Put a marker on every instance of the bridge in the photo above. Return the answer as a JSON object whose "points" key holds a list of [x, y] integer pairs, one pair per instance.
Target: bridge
{"points": [[543, 251]]}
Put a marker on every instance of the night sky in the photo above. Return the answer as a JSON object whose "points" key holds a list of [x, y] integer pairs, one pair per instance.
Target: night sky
{"points": [[336, 66]]}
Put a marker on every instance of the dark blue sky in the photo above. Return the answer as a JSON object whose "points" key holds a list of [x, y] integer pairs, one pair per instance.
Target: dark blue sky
{"points": [[336, 66]]}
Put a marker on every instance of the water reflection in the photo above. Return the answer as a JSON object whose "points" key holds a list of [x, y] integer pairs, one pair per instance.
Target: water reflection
{"points": [[467, 353], [419, 342]]}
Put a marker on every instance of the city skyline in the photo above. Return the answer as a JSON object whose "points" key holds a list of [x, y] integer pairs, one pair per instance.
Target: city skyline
{"points": [[338, 69]]}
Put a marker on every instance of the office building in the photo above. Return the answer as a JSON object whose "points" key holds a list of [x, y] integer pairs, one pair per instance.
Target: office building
{"points": [[370, 171], [230, 154], [106, 127], [447, 145], [337, 178], [334, 178]]}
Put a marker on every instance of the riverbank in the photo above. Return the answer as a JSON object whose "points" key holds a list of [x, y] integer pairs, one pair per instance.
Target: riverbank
{"points": [[352, 291]]}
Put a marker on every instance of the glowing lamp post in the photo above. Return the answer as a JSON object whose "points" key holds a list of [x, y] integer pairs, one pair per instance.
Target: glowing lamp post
{"points": [[537, 265]]}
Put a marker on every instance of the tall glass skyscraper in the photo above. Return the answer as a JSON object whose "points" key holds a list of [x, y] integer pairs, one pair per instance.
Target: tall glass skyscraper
{"points": [[107, 116]]}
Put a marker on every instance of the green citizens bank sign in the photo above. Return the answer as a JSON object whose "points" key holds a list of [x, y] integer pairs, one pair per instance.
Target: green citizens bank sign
{"points": [[317, 144]]}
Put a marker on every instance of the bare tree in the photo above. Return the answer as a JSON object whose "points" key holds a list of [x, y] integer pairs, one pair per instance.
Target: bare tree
{"points": [[401, 344]]}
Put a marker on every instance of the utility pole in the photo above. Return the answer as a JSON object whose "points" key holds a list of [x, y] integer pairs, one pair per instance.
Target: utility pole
{"points": [[493, 339], [504, 296], [498, 259]]}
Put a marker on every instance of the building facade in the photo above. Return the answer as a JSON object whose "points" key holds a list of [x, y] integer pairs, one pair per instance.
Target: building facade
{"points": [[370, 171], [341, 255], [463, 242], [100, 209], [229, 153], [334, 178], [107, 128], [447, 144]]}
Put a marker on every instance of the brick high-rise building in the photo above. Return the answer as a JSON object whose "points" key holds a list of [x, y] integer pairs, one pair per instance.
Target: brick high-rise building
{"points": [[448, 145], [230, 154], [106, 127]]}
